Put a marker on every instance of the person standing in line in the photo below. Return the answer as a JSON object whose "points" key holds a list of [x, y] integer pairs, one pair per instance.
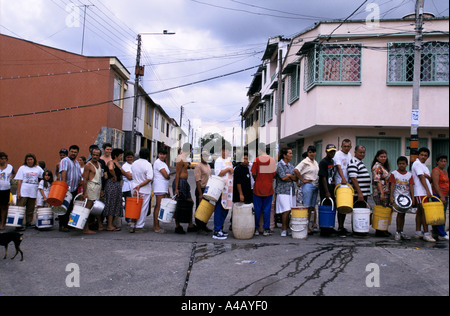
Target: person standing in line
{"points": [[160, 186], [62, 154], [92, 184], [181, 187], [142, 172], [360, 177], [113, 190], [222, 168], [71, 174], [380, 183], [307, 171], [126, 186], [342, 160], [107, 150], [28, 177], [202, 173], [284, 189], [422, 189], [402, 183], [6, 175], [326, 182], [44, 189], [263, 170], [440, 187]]}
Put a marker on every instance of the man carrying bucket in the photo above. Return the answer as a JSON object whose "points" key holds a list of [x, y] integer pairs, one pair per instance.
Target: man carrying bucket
{"points": [[422, 189], [342, 160], [92, 185], [70, 171], [326, 182]]}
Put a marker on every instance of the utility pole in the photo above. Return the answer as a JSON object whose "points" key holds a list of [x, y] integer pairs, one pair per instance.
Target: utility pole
{"points": [[414, 144], [242, 129], [279, 98], [84, 24], [138, 73]]}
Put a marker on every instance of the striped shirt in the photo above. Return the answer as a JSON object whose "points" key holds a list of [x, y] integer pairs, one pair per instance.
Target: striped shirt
{"points": [[73, 169], [357, 169]]}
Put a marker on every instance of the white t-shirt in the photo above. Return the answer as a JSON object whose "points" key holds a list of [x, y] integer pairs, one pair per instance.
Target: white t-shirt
{"points": [[219, 165], [142, 170], [126, 186], [160, 184], [343, 160], [40, 198], [418, 169], [5, 178], [30, 180]]}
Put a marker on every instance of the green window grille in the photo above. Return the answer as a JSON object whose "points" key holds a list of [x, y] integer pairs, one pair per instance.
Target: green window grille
{"points": [[434, 69], [294, 85], [333, 64]]}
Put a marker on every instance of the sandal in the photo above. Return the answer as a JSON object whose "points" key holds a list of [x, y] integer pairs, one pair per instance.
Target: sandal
{"points": [[161, 231]]}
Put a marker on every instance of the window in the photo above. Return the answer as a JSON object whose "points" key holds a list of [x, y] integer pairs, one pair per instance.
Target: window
{"points": [[118, 83], [167, 129], [149, 115], [294, 85], [269, 108], [333, 64], [262, 114], [435, 63], [163, 122], [156, 119]]}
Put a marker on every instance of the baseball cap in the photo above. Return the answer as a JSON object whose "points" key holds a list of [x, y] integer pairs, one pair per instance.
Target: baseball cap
{"points": [[64, 151], [330, 147]]}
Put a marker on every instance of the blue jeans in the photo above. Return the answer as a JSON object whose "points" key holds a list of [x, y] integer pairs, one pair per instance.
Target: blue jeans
{"points": [[220, 214], [262, 204], [310, 192]]}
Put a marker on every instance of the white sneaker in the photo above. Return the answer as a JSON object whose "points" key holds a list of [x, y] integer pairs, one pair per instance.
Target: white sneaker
{"points": [[398, 237], [256, 232], [418, 235], [428, 237], [404, 236], [283, 233], [220, 235], [442, 238]]}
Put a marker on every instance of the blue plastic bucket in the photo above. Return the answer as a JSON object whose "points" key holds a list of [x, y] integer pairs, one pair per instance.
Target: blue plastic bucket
{"points": [[327, 215]]}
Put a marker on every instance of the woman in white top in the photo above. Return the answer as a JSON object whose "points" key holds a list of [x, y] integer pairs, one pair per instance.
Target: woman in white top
{"points": [[6, 174], [160, 186], [28, 177], [307, 172]]}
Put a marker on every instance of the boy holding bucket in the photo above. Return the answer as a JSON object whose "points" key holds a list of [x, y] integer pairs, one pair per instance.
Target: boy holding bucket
{"points": [[402, 183], [422, 189]]}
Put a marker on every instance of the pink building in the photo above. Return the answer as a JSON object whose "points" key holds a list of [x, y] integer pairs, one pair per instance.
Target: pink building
{"points": [[355, 83]]}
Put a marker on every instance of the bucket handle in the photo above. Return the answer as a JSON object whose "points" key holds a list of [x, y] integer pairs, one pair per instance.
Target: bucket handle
{"points": [[85, 201], [434, 197], [368, 206], [332, 203], [348, 185], [294, 230], [138, 196]]}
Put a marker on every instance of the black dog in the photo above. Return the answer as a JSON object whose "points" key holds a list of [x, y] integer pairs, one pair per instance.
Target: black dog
{"points": [[6, 238]]}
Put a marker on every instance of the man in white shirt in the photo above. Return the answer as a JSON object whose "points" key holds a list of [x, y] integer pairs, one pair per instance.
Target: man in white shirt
{"points": [[422, 189], [342, 160], [142, 173]]}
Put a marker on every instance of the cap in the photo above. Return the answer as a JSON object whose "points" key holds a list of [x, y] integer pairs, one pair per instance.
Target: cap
{"points": [[330, 147], [64, 151]]}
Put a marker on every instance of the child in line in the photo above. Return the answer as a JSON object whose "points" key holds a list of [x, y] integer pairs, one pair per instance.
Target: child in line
{"points": [[402, 183], [44, 189]]}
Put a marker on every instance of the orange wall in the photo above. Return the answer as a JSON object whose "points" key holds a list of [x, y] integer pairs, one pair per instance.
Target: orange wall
{"points": [[45, 134]]}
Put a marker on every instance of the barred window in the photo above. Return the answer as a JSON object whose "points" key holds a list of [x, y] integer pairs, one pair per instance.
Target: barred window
{"points": [[333, 64], [294, 85], [435, 63]]}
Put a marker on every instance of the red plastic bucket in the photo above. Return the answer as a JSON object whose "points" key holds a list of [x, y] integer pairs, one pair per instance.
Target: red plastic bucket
{"points": [[57, 193]]}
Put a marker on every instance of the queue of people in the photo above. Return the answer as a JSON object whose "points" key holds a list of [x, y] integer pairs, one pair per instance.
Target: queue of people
{"points": [[261, 182]]}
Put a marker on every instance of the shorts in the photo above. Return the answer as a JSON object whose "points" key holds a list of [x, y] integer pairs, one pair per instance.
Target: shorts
{"points": [[310, 192], [184, 189], [419, 199], [285, 202]]}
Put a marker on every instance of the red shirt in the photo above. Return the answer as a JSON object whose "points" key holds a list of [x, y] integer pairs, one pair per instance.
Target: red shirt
{"points": [[265, 169]]}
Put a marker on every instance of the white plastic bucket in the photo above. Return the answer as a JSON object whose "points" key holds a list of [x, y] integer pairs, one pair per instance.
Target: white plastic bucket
{"points": [[79, 216], [167, 210], [15, 216], [214, 188], [44, 218], [67, 200], [243, 221], [361, 220], [299, 227]]}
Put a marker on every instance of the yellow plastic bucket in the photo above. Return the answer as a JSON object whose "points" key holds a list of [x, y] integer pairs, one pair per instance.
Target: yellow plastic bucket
{"points": [[381, 217], [344, 198], [434, 212], [205, 210], [299, 212]]}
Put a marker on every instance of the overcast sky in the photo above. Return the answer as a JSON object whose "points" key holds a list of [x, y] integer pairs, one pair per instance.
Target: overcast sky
{"points": [[213, 38]]}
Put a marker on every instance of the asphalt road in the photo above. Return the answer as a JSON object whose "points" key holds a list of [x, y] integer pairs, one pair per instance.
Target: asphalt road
{"points": [[196, 266]]}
